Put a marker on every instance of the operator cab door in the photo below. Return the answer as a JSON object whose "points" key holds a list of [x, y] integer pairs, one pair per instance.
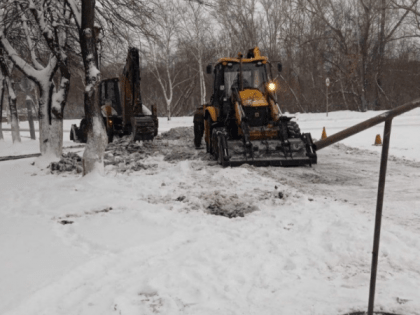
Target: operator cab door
{"points": [[218, 82], [220, 100], [109, 92]]}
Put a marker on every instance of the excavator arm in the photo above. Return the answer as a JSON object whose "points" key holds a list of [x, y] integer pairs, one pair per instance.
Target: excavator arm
{"points": [[143, 127], [128, 116]]}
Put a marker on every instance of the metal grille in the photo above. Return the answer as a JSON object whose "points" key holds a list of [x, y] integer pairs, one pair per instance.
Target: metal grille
{"points": [[257, 116]]}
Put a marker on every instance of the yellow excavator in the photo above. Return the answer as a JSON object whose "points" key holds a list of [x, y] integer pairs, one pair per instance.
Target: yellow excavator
{"points": [[121, 105], [243, 122]]}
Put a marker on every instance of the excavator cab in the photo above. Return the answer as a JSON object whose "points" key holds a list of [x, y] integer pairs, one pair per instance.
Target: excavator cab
{"points": [[109, 95], [250, 79], [254, 76], [110, 103]]}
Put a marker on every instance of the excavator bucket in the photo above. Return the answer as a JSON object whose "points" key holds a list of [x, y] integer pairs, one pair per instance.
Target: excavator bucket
{"points": [[143, 128], [294, 152], [263, 152]]}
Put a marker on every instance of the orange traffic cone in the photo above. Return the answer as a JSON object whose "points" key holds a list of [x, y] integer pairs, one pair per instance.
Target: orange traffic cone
{"points": [[378, 140], [324, 134]]}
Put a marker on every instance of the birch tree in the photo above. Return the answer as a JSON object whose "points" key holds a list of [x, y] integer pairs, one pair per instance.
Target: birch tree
{"points": [[195, 34], [161, 51]]}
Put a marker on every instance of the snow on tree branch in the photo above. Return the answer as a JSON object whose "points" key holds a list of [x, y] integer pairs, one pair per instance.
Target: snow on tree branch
{"points": [[76, 13], [20, 63], [31, 46], [40, 19], [93, 72]]}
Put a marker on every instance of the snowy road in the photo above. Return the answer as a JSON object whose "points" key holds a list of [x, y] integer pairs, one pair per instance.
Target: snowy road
{"points": [[144, 243]]}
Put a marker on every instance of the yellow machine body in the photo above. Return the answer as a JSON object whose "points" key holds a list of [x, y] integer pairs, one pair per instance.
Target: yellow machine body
{"points": [[243, 122]]}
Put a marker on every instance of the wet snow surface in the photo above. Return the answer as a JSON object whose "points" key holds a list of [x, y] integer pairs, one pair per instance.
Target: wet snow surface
{"points": [[146, 241]]}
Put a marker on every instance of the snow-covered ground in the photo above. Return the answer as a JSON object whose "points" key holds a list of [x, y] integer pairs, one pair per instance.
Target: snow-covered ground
{"points": [[144, 242], [403, 142]]}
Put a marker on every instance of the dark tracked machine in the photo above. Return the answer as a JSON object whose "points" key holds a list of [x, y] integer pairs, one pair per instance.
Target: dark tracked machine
{"points": [[243, 122], [122, 108]]}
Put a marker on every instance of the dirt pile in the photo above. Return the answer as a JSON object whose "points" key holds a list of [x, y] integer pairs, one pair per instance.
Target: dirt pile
{"points": [[122, 154], [179, 155], [126, 155], [177, 145], [179, 133], [69, 162], [230, 206]]}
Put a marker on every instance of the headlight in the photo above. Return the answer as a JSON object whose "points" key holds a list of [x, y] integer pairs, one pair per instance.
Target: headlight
{"points": [[271, 87]]}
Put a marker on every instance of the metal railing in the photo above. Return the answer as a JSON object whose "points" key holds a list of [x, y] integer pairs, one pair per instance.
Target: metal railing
{"points": [[387, 118], [366, 124]]}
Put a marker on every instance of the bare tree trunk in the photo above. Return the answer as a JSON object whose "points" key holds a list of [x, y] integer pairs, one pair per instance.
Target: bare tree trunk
{"points": [[186, 93], [168, 110], [202, 81], [380, 56], [13, 111], [96, 135], [8, 118], [342, 92], [294, 94], [30, 117], [36, 103], [51, 107], [1, 107], [366, 26], [45, 144], [59, 99]]}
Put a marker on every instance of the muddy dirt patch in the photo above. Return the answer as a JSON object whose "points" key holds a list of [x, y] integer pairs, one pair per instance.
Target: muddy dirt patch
{"points": [[124, 155]]}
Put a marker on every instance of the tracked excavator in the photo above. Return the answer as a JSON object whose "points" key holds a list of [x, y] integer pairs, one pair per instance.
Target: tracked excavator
{"points": [[121, 106], [243, 122]]}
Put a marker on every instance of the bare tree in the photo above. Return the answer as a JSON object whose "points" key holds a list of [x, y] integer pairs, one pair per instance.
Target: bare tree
{"points": [[273, 23], [356, 35], [55, 37], [161, 51], [51, 20], [195, 34], [5, 69], [97, 139], [240, 21]]}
